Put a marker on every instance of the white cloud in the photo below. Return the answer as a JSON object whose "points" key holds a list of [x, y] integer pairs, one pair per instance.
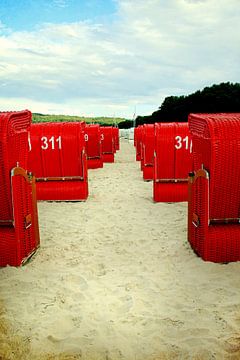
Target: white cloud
{"points": [[154, 49], [60, 3]]}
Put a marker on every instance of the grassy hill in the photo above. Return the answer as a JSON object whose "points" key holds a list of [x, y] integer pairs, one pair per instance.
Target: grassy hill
{"points": [[90, 120]]}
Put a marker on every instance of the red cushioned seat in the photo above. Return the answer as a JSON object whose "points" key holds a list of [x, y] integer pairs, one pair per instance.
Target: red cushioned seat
{"points": [[19, 232], [107, 137], [93, 146], [213, 213], [58, 159], [172, 162]]}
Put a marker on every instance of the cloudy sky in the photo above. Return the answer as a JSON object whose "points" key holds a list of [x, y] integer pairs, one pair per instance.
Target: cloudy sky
{"points": [[108, 57]]}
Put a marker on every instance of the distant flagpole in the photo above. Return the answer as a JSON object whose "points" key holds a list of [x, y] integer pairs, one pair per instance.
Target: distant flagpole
{"points": [[134, 117]]}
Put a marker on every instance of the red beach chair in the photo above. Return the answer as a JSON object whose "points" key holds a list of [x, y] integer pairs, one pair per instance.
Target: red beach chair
{"points": [[107, 144], [135, 134], [19, 232], [141, 140], [116, 139], [213, 216], [172, 162], [93, 146], [58, 159], [148, 151], [138, 133]]}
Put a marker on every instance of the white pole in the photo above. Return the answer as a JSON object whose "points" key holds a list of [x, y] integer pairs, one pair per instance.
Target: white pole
{"points": [[134, 117]]}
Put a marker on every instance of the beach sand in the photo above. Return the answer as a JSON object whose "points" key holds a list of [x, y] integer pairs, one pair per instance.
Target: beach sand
{"points": [[115, 278]]}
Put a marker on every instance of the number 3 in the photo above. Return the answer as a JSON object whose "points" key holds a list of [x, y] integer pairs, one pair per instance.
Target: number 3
{"points": [[44, 146], [179, 142]]}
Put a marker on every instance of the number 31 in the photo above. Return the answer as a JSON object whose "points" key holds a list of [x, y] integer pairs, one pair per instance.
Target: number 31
{"points": [[183, 142]]}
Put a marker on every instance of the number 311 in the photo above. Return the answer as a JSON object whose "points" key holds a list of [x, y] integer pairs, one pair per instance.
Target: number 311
{"points": [[51, 142]]}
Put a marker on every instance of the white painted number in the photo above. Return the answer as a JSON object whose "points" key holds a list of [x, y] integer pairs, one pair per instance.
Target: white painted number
{"points": [[44, 145], [86, 137], [51, 142], [183, 142], [29, 142], [102, 137], [178, 145], [59, 141]]}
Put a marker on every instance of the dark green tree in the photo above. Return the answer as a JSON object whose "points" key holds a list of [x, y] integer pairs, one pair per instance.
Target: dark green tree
{"points": [[224, 97]]}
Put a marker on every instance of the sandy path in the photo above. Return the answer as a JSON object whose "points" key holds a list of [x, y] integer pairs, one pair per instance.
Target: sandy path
{"points": [[116, 279]]}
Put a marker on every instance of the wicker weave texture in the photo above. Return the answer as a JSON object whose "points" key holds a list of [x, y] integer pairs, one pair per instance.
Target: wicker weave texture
{"points": [[14, 128], [9, 247], [27, 238], [168, 192], [19, 237], [58, 151], [62, 190], [216, 148]]}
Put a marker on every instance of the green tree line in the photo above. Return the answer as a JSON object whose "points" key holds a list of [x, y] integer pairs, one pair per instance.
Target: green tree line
{"points": [[224, 97], [104, 121]]}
